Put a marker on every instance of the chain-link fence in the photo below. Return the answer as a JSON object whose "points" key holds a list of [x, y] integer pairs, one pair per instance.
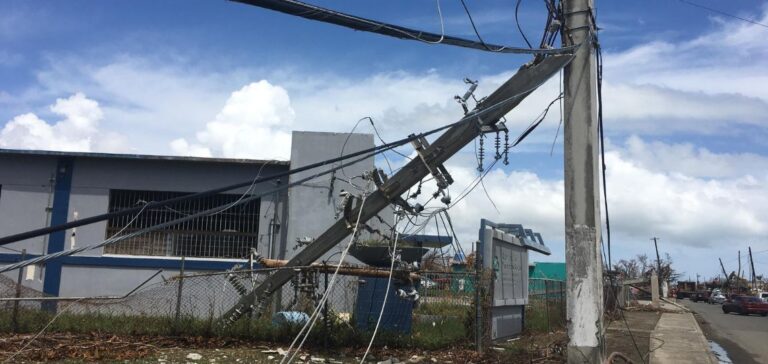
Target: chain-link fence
{"points": [[546, 305], [433, 310]]}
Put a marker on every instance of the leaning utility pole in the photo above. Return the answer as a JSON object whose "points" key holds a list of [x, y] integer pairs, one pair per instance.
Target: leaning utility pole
{"points": [[725, 274], [658, 258], [431, 157], [584, 263], [752, 268]]}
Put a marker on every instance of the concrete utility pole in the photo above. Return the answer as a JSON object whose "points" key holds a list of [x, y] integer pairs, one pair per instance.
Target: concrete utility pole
{"points": [[752, 268], [658, 259], [584, 262], [738, 271], [725, 274]]}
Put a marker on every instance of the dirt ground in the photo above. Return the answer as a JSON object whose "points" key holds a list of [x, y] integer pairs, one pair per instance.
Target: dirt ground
{"points": [[618, 338], [70, 348]]}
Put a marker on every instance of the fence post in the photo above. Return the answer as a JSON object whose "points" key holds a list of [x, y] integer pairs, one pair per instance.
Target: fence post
{"points": [[178, 296], [478, 299], [325, 309], [18, 293], [546, 303]]}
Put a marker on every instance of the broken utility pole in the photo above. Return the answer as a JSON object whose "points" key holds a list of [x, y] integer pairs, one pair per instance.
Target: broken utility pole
{"points": [[584, 262], [487, 113], [725, 274]]}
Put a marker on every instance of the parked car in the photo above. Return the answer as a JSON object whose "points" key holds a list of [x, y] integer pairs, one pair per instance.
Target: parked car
{"points": [[763, 296], [700, 296], [716, 298], [745, 305]]}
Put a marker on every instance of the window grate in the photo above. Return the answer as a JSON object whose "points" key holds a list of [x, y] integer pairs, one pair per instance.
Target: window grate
{"points": [[228, 234]]}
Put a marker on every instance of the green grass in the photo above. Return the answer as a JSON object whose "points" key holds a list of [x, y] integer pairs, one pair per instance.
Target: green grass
{"points": [[541, 316], [447, 330], [442, 309]]}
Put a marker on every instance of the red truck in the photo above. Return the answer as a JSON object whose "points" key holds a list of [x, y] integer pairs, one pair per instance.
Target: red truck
{"points": [[745, 305]]}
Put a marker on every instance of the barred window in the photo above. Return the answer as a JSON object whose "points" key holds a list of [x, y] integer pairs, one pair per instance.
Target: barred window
{"points": [[228, 234]]}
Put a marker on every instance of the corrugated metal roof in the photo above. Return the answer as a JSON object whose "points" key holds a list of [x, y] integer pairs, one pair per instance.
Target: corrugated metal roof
{"points": [[22, 152]]}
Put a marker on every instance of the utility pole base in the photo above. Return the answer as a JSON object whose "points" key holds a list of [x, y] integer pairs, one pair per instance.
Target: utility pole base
{"points": [[585, 354]]}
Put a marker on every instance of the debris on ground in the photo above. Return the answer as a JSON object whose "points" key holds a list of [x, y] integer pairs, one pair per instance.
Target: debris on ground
{"points": [[194, 356]]}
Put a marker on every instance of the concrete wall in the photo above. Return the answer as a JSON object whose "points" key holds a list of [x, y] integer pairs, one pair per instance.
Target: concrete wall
{"points": [[26, 189], [26, 186], [312, 206]]}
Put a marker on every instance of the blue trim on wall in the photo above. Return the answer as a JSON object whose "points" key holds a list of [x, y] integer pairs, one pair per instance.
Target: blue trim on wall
{"points": [[128, 262], [59, 214]]}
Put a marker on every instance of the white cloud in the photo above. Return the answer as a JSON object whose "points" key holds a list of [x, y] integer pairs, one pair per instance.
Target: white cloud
{"points": [[181, 147], [649, 195], [693, 161], [256, 121], [78, 131], [702, 85]]}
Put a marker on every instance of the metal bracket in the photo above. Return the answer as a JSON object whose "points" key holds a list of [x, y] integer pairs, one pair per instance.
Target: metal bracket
{"points": [[462, 100], [347, 211], [493, 128], [379, 178], [442, 177]]}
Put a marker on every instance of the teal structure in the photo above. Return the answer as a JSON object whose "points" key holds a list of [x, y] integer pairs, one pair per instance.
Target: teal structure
{"points": [[547, 270]]}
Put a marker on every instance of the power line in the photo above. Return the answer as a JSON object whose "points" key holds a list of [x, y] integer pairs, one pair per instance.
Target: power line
{"points": [[386, 295], [313, 12], [90, 220], [517, 22], [691, 3], [599, 64], [536, 122], [316, 313], [475, 115], [472, 21], [114, 239]]}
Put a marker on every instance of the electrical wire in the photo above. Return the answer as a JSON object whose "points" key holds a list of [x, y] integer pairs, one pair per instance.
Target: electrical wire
{"points": [[517, 22], [92, 219], [442, 28], [55, 317], [313, 12], [599, 64], [475, 115], [326, 294], [386, 295], [536, 122], [472, 21], [560, 123], [691, 3], [117, 238], [453, 232], [341, 153]]}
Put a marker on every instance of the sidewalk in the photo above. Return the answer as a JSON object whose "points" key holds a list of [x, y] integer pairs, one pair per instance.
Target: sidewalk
{"points": [[678, 339]]}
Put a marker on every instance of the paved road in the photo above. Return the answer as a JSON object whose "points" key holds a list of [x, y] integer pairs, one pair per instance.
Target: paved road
{"points": [[745, 338]]}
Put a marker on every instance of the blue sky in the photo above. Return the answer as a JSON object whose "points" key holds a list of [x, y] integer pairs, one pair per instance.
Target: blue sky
{"points": [[685, 94]]}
